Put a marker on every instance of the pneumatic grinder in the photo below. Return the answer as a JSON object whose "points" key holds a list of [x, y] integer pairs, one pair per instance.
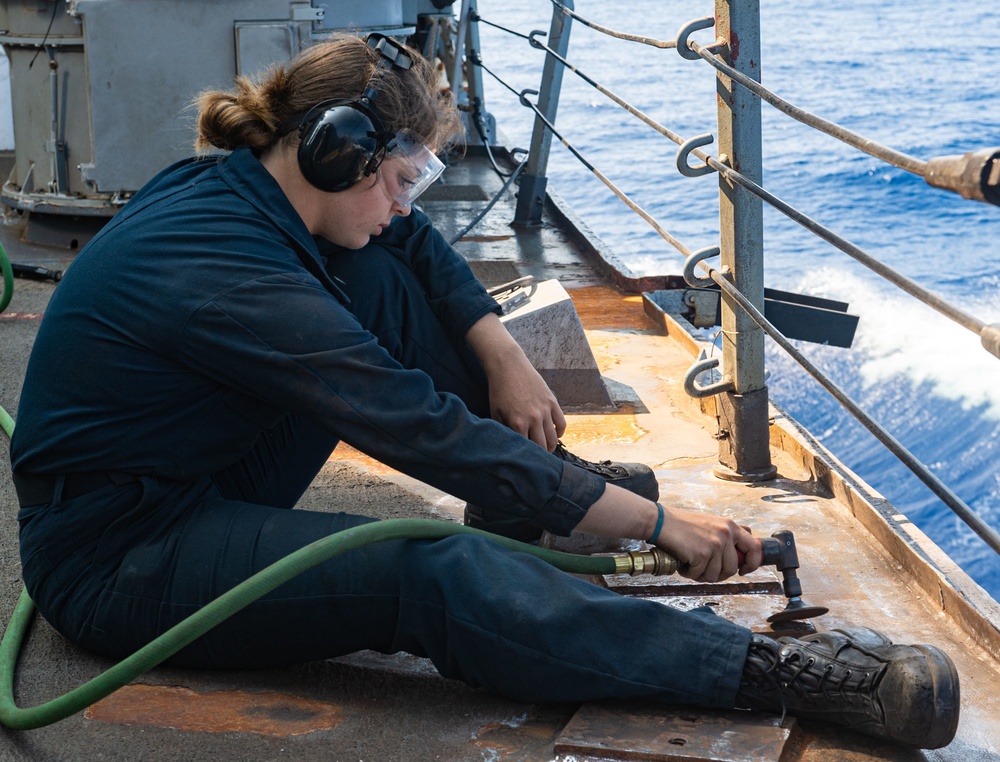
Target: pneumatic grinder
{"points": [[779, 552]]}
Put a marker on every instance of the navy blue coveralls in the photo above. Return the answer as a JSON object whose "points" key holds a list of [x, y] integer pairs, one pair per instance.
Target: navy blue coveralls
{"points": [[204, 355]]}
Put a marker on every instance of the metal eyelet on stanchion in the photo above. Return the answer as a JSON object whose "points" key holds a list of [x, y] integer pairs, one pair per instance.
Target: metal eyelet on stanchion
{"points": [[695, 390], [684, 151], [686, 30], [692, 261]]}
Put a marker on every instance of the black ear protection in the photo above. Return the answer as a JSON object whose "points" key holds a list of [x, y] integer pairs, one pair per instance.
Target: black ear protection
{"points": [[344, 140]]}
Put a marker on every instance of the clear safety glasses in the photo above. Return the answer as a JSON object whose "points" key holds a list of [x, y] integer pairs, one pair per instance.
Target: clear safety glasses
{"points": [[420, 168]]}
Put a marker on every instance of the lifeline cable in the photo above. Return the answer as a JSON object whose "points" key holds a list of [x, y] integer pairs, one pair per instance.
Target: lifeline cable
{"points": [[499, 194], [976, 523], [987, 333], [872, 148], [650, 220], [663, 44]]}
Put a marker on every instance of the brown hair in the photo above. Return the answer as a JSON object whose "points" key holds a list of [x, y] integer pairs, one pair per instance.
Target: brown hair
{"points": [[256, 111]]}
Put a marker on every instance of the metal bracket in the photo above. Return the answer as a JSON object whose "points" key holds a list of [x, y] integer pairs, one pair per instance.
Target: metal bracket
{"points": [[686, 30], [704, 306], [302, 11], [692, 261], [695, 390], [684, 151]]}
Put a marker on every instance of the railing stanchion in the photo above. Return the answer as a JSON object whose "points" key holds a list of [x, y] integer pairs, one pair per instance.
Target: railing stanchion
{"points": [[531, 193], [744, 441]]}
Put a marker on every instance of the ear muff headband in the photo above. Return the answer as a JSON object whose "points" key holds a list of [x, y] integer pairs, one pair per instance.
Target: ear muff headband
{"points": [[344, 140]]}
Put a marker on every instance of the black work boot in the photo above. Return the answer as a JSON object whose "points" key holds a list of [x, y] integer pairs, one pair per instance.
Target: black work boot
{"points": [[856, 678], [635, 477]]}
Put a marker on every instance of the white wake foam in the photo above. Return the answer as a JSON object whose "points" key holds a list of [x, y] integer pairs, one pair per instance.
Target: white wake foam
{"points": [[899, 337]]}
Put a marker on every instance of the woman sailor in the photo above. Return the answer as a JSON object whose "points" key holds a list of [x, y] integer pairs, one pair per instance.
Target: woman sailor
{"points": [[242, 314]]}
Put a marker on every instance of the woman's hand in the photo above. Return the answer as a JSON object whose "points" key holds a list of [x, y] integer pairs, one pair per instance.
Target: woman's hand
{"points": [[521, 400], [708, 548], [519, 397]]}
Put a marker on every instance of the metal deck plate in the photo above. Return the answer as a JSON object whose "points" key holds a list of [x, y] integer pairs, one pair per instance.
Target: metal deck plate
{"points": [[626, 731]]}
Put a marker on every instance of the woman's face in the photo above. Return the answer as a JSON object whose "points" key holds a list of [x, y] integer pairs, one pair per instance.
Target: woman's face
{"points": [[350, 218]]}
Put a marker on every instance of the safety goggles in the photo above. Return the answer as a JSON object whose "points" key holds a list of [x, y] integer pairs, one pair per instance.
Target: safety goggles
{"points": [[423, 168]]}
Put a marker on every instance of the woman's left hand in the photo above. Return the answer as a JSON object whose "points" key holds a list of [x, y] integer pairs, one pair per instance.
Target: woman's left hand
{"points": [[519, 397], [521, 400]]}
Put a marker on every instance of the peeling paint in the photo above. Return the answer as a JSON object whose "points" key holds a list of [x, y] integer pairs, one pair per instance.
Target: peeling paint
{"points": [[21, 316]]}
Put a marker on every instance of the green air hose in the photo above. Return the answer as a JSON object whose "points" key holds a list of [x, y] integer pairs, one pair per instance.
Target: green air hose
{"points": [[8, 279], [240, 596]]}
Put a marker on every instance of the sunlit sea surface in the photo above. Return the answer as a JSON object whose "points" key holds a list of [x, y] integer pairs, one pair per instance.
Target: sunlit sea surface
{"points": [[917, 76]]}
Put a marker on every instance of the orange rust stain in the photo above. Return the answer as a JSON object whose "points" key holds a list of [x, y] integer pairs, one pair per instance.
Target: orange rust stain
{"points": [[269, 714], [582, 430], [513, 741], [604, 429], [605, 307], [486, 238], [344, 452]]}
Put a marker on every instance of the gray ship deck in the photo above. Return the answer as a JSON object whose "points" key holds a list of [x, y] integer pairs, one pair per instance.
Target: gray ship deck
{"points": [[858, 557]]}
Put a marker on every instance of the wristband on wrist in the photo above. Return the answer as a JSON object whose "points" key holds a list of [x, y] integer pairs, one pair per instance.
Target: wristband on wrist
{"points": [[659, 525]]}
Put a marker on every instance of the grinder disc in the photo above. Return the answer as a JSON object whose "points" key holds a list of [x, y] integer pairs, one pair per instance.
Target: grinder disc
{"points": [[795, 611]]}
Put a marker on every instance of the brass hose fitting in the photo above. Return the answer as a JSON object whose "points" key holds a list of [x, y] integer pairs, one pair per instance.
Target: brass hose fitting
{"points": [[653, 561]]}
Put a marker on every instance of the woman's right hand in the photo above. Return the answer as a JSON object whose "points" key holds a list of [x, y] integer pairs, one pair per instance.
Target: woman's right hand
{"points": [[708, 548]]}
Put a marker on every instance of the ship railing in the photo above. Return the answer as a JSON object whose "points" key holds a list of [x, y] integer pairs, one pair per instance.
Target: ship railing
{"points": [[744, 452]]}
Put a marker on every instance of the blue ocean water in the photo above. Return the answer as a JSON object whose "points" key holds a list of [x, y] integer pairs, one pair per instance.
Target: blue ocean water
{"points": [[917, 76]]}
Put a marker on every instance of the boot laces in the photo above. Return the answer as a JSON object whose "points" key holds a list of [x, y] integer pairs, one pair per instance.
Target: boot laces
{"points": [[760, 673], [604, 468], [810, 682]]}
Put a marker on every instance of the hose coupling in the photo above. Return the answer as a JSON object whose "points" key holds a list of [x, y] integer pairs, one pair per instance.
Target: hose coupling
{"points": [[653, 561]]}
